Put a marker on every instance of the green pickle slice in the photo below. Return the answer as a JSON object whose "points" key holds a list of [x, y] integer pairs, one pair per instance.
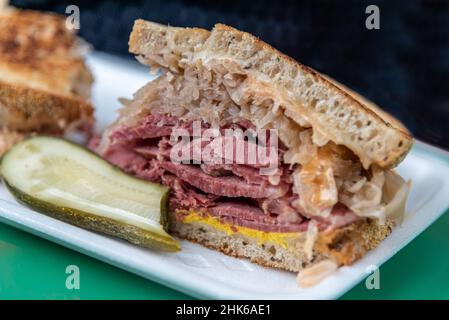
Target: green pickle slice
{"points": [[68, 182]]}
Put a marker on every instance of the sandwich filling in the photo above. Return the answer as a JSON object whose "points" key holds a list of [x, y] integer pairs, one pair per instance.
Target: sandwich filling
{"points": [[313, 180], [236, 193]]}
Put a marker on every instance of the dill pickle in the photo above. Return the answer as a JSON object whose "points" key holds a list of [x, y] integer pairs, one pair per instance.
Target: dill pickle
{"points": [[70, 183]]}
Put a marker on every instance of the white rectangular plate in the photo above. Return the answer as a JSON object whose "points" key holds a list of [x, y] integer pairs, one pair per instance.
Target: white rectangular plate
{"points": [[204, 273]]}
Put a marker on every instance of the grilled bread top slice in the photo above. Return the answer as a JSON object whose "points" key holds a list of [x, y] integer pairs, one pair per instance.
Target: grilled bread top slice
{"points": [[337, 113]]}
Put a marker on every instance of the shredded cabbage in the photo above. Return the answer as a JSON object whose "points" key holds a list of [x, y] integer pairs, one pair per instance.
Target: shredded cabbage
{"points": [[383, 196], [311, 236], [325, 173]]}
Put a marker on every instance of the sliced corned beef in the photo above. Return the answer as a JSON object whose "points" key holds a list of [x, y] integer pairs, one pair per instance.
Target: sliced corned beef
{"points": [[144, 150], [184, 196], [153, 126], [227, 186]]}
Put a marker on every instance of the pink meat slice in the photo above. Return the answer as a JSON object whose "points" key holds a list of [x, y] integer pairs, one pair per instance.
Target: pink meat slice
{"points": [[250, 174], [246, 215], [340, 216], [250, 216], [144, 151], [124, 157], [153, 126], [184, 196], [158, 126], [228, 186]]}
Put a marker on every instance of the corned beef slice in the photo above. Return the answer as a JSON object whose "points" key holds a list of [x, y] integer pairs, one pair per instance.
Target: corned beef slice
{"points": [[227, 186], [235, 193]]}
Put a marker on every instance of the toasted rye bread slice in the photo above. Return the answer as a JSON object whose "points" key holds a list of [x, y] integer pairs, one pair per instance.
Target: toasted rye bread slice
{"points": [[44, 81], [343, 245], [338, 113], [30, 110]]}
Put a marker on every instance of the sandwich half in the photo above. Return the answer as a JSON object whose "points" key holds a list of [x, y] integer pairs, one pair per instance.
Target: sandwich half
{"points": [[329, 198], [45, 85]]}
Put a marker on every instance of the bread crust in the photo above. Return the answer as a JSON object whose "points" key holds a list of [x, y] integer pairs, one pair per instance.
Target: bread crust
{"points": [[37, 50], [343, 245], [24, 109], [342, 115]]}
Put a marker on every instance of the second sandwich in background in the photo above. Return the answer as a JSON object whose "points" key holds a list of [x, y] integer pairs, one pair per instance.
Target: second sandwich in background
{"points": [[45, 85]]}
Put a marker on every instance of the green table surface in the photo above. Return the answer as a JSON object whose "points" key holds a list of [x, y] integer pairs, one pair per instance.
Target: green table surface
{"points": [[34, 268]]}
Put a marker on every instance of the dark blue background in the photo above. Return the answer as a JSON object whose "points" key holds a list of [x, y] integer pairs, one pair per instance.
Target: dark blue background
{"points": [[404, 66]]}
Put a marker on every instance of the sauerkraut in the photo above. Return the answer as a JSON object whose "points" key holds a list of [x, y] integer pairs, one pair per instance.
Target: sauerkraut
{"points": [[324, 174]]}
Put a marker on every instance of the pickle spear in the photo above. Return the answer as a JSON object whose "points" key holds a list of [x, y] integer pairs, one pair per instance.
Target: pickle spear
{"points": [[72, 184]]}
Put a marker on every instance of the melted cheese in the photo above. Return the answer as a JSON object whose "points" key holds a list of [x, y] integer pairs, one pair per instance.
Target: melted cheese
{"points": [[280, 238]]}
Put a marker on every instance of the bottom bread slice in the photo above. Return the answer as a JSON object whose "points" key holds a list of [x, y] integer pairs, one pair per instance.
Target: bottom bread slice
{"points": [[343, 245]]}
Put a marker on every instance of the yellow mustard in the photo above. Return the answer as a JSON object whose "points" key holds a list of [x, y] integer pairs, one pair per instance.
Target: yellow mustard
{"points": [[280, 238]]}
